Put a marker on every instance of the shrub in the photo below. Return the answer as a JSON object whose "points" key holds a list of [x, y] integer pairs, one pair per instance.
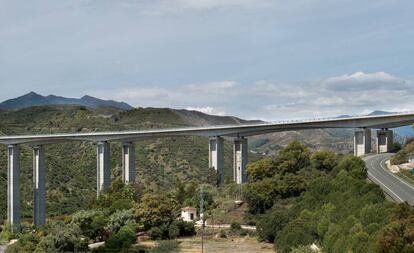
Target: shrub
{"points": [[123, 239], [235, 226], [159, 233], [91, 223], [173, 231], [62, 237], [5, 236], [26, 244], [46, 245], [186, 228], [119, 219]]}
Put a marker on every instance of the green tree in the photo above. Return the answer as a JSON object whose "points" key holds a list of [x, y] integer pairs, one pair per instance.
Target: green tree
{"points": [[123, 239], [291, 185], [261, 169], [296, 233], [91, 223], [398, 236], [155, 210], [260, 195], [354, 165], [269, 225], [119, 219], [26, 244], [324, 160], [185, 228], [292, 158], [63, 237]]}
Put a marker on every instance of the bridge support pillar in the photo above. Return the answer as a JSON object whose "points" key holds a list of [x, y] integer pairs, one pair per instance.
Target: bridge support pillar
{"points": [[240, 151], [128, 162], [13, 187], [362, 142], [39, 187], [385, 141], [216, 157], [103, 167]]}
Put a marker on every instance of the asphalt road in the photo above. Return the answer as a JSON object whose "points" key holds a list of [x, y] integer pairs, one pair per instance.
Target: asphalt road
{"points": [[397, 188]]}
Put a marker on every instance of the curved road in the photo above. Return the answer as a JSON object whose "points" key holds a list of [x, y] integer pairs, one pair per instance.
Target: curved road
{"points": [[397, 188]]}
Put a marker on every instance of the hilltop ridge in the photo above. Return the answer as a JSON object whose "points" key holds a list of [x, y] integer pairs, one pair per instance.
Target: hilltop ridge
{"points": [[34, 99]]}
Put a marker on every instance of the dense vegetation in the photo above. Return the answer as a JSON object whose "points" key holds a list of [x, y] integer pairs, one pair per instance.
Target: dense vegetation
{"points": [[301, 199], [115, 218]]}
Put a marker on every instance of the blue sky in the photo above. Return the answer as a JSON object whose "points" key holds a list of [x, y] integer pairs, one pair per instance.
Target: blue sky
{"points": [[267, 59]]}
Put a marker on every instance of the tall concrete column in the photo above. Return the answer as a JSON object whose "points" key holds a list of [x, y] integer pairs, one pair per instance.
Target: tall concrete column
{"points": [[39, 186], [13, 187], [240, 151], [103, 167], [385, 141], [128, 162], [362, 142], [216, 156]]}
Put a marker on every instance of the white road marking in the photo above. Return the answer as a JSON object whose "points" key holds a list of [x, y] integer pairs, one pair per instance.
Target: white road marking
{"points": [[385, 186]]}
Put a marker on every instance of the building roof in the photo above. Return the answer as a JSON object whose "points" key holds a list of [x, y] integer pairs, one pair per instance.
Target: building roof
{"points": [[188, 208]]}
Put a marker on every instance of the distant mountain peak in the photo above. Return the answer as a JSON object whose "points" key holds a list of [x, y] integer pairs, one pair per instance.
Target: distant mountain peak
{"points": [[87, 97], [34, 99], [378, 112]]}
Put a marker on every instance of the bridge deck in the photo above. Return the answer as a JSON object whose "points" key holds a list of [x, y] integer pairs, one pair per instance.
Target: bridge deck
{"points": [[382, 121]]}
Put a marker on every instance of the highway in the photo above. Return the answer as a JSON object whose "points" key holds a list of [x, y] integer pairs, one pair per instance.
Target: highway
{"points": [[397, 188]]}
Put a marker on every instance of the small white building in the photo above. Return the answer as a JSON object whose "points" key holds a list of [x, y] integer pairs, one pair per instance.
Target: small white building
{"points": [[189, 214]]}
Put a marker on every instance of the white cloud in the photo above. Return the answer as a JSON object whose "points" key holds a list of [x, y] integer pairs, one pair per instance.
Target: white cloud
{"points": [[213, 87], [364, 81], [207, 110], [271, 100]]}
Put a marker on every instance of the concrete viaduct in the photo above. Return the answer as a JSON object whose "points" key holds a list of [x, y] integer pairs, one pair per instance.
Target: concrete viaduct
{"points": [[239, 133]]}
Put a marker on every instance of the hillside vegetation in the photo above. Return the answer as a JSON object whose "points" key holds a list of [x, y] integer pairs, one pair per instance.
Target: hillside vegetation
{"points": [[71, 167], [297, 198], [300, 199]]}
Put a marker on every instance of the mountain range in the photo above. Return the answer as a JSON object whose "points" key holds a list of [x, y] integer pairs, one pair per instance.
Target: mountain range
{"points": [[34, 99]]}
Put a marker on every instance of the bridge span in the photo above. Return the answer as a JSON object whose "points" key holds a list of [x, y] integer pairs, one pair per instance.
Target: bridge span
{"points": [[216, 135]]}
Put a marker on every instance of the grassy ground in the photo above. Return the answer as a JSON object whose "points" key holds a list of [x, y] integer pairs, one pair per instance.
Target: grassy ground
{"points": [[226, 245]]}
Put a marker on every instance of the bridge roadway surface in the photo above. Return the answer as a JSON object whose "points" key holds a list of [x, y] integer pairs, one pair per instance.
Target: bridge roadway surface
{"points": [[397, 188], [374, 122]]}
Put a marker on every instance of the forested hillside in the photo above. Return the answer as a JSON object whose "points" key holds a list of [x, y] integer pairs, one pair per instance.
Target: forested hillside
{"points": [[301, 198]]}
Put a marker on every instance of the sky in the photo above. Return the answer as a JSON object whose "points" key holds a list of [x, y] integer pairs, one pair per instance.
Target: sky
{"points": [[255, 59]]}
